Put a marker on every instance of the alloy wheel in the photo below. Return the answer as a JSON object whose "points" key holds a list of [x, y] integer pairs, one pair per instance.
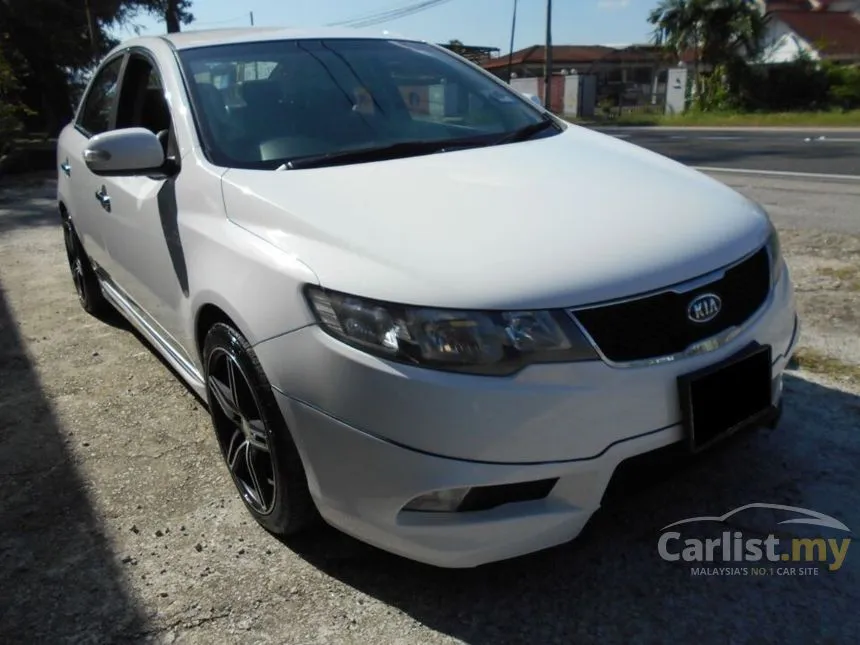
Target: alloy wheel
{"points": [[241, 431]]}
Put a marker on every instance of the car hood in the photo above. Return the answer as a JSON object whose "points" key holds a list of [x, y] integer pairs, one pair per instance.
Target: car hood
{"points": [[565, 220]]}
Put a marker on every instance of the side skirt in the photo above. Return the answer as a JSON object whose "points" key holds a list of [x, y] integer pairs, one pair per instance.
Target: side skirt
{"points": [[174, 357]]}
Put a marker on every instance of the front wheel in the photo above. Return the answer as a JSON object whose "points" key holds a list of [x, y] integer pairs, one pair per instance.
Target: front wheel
{"points": [[254, 440]]}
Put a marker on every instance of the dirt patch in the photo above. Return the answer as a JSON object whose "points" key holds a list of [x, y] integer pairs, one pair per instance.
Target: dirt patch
{"points": [[826, 270], [845, 276]]}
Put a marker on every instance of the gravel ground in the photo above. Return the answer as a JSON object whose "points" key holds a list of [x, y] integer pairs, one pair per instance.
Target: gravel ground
{"points": [[118, 522]]}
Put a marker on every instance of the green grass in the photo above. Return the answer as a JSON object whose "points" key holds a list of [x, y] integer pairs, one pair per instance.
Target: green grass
{"points": [[819, 363], [736, 119], [848, 276]]}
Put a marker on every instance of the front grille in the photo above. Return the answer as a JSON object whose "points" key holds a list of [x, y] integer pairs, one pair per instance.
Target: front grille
{"points": [[657, 325]]}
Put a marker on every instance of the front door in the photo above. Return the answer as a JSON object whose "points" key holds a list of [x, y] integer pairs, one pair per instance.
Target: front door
{"points": [[146, 254]]}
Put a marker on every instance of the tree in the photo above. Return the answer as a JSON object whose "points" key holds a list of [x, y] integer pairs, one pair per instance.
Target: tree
{"points": [[52, 44], [720, 34], [174, 12], [11, 109]]}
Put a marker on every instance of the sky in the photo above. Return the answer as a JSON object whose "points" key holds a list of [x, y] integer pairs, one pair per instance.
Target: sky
{"points": [[474, 22]]}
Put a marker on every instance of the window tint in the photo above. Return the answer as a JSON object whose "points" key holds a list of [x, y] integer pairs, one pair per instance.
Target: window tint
{"points": [[261, 104], [96, 113]]}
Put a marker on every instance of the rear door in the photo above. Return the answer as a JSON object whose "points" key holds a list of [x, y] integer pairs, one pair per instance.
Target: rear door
{"points": [[95, 116]]}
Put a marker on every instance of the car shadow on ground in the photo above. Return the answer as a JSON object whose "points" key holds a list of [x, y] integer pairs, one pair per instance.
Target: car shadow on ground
{"points": [[60, 577], [611, 584]]}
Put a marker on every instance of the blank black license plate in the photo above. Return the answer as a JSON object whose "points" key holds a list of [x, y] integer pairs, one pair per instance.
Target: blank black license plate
{"points": [[720, 399]]}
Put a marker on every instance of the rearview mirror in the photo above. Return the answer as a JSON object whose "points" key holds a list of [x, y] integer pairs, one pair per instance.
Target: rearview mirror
{"points": [[124, 152]]}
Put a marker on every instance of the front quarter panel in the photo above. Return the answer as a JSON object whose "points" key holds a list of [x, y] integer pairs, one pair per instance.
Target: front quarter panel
{"points": [[257, 285]]}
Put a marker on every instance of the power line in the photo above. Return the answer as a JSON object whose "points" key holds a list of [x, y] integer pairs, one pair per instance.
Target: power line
{"points": [[219, 22], [363, 16], [388, 15]]}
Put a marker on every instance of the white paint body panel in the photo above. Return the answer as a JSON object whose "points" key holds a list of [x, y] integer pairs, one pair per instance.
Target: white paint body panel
{"points": [[576, 218]]}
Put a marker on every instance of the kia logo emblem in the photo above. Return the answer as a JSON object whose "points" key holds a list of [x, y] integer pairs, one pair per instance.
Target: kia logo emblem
{"points": [[704, 308]]}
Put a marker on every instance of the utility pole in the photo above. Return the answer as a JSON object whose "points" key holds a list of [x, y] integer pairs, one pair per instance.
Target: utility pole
{"points": [[91, 29], [547, 87], [511, 54], [171, 16], [256, 63]]}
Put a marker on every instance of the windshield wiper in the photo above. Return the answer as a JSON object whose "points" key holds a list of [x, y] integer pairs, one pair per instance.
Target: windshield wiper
{"points": [[380, 153], [527, 132]]}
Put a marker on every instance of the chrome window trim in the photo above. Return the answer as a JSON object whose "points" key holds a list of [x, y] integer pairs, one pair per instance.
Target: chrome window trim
{"points": [[704, 346]]}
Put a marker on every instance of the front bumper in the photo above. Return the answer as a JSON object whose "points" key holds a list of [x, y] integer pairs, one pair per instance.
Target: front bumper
{"points": [[374, 435], [360, 484]]}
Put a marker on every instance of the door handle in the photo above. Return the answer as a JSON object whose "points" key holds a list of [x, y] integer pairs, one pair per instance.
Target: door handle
{"points": [[104, 198], [66, 167]]}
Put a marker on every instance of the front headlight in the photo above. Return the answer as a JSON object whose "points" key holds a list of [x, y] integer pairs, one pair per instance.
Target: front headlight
{"points": [[478, 342], [774, 250]]}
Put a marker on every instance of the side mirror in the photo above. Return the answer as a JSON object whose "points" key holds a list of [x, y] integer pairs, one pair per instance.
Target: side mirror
{"points": [[125, 152]]}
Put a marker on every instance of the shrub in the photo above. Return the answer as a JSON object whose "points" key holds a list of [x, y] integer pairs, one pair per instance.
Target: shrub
{"points": [[844, 81], [11, 109]]}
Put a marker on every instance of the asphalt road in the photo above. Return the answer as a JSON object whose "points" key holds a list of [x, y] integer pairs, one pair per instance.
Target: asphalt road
{"points": [[833, 152], [802, 203]]}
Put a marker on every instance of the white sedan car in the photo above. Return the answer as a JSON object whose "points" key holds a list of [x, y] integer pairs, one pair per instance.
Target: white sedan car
{"points": [[416, 304]]}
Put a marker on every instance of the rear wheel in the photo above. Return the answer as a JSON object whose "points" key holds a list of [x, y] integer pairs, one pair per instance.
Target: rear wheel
{"points": [[83, 276], [256, 445]]}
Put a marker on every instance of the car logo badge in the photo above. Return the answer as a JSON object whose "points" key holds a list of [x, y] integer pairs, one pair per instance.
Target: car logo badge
{"points": [[704, 308]]}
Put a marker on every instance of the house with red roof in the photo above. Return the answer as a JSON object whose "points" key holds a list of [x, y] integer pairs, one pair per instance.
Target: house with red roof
{"points": [[820, 29], [624, 75], [636, 75]]}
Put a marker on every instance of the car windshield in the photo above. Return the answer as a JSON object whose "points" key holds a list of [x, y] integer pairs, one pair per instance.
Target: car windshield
{"points": [[321, 102]]}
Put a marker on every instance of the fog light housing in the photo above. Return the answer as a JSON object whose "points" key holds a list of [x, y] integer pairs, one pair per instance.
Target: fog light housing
{"points": [[481, 498], [439, 501]]}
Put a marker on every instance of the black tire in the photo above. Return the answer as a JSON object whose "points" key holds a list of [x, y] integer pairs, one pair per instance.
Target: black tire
{"points": [[83, 275], [253, 437]]}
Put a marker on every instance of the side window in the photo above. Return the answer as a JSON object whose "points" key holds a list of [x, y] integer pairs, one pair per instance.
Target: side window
{"points": [[142, 103], [96, 113]]}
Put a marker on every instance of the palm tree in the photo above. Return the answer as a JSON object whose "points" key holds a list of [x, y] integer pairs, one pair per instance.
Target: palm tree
{"points": [[734, 28], [678, 26], [717, 32]]}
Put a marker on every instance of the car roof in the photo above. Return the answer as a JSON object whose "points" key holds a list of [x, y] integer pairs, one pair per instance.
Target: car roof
{"points": [[209, 37]]}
